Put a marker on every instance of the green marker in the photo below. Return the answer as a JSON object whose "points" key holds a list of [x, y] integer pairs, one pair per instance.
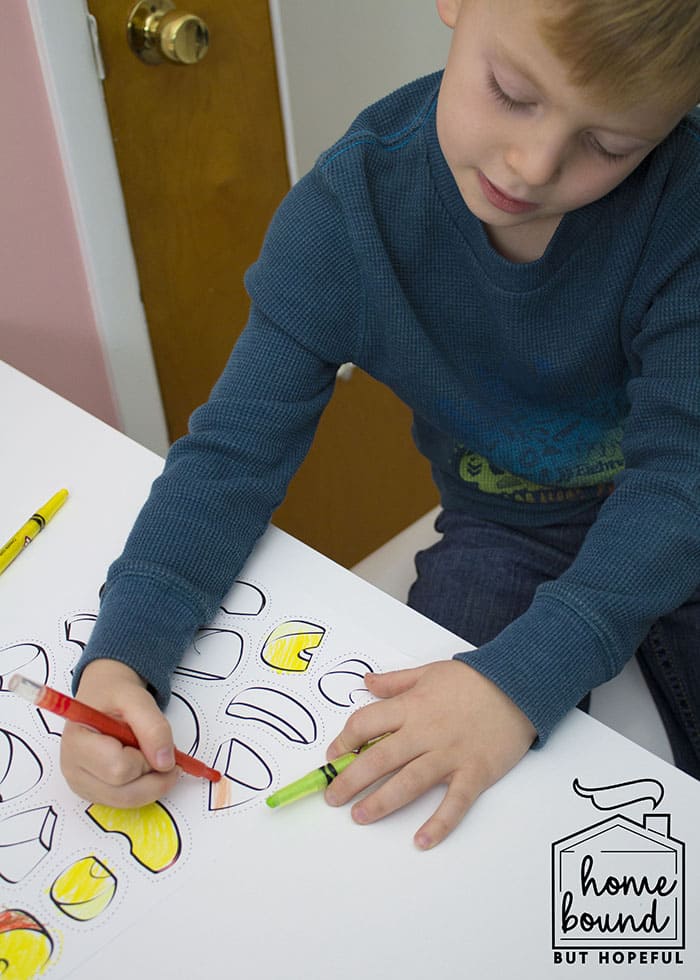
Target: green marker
{"points": [[315, 781]]}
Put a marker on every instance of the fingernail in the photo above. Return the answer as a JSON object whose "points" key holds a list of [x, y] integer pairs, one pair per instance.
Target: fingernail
{"points": [[423, 842], [165, 758], [360, 815]]}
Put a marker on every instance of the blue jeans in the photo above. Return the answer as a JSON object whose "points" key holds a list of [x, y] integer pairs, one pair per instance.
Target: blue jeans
{"points": [[481, 576]]}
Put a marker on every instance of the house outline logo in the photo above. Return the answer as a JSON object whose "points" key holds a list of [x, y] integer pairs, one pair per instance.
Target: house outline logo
{"points": [[619, 884]]}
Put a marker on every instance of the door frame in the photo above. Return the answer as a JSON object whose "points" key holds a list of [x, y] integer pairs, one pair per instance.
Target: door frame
{"points": [[74, 89]]}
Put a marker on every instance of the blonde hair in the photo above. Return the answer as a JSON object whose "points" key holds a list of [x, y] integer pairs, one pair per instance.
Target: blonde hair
{"points": [[628, 51]]}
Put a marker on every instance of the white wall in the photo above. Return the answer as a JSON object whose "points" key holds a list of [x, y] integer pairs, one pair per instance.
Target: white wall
{"points": [[84, 141], [334, 57], [70, 311], [47, 321]]}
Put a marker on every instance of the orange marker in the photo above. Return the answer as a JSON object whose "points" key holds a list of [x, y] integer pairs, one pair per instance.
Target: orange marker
{"points": [[67, 707]]}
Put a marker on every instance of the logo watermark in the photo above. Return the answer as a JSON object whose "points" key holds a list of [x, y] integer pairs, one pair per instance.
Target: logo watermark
{"points": [[618, 885]]}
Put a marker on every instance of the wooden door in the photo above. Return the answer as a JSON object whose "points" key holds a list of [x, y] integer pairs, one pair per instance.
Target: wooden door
{"points": [[201, 156]]}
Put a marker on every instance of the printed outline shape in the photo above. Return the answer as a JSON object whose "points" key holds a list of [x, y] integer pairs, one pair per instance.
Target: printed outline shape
{"points": [[288, 648], [181, 722], [79, 621], [291, 727], [337, 672], [136, 825], [38, 673], [54, 724], [241, 588], [76, 902], [37, 840], [33, 961], [188, 666], [220, 793], [14, 758]]}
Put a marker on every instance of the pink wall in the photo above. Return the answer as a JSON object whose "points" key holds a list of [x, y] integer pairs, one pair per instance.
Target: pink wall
{"points": [[47, 323]]}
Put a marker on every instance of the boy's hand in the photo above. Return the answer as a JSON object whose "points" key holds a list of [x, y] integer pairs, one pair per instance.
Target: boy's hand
{"points": [[448, 724], [98, 767]]}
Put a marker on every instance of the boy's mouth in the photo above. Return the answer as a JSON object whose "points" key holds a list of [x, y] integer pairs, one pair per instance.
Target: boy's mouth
{"points": [[504, 202]]}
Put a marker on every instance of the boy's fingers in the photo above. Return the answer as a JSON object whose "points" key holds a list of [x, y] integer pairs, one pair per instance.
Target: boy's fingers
{"points": [[109, 772], [152, 731], [379, 760], [117, 690], [380, 717], [102, 757], [150, 726], [145, 790], [138, 793], [407, 785], [364, 725], [458, 799], [393, 682], [409, 781]]}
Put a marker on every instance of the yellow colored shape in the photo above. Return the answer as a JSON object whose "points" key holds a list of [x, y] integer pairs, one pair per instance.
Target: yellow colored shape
{"points": [[153, 836], [85, 889], [25, 946], [288, 646]]}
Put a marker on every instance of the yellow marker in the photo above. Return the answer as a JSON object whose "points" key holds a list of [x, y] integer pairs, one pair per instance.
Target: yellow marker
{"points": [[26, 534]]}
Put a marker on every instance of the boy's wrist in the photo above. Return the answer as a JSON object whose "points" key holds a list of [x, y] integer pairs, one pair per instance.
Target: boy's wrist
{"points": [[545, 662]]}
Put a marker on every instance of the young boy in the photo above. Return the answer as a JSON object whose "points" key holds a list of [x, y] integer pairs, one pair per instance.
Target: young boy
{"points": [[513, 248]]}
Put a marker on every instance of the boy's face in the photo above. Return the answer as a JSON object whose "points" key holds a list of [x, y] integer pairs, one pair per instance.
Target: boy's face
{"points": [[523, 145]]}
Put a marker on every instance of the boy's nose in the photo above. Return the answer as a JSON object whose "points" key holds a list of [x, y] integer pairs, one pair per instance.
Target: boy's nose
{"points": [[537, 164]]}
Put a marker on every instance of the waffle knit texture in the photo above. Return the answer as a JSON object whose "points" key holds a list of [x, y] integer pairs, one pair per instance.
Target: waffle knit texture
{"points": [[537, 390]]}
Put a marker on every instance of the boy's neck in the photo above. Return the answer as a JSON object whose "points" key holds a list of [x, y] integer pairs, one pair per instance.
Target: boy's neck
{"points": [[523, 243]]}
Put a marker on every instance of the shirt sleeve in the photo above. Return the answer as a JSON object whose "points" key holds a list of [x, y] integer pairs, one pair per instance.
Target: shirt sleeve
{"points": [[223, 480]]}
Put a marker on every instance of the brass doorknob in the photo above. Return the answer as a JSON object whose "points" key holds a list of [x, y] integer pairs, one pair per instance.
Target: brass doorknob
{"points": [[157, 32]]}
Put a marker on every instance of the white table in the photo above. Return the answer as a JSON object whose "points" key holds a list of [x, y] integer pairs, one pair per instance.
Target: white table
{"points": [[303, 892]]}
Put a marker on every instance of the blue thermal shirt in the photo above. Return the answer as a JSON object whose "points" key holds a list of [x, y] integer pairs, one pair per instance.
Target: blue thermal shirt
{"points": [[538, 389]]}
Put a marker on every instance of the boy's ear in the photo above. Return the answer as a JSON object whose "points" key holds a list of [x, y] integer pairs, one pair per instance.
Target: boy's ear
{"points": [[448, 10]]}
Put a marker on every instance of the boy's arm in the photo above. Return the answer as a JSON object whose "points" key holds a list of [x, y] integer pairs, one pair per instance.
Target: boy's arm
{"points": [[466, 724], [217, 492], [640, 559], [223, 480], [213, 500]]}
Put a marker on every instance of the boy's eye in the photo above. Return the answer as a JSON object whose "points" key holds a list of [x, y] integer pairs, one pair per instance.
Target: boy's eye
{"points": [[605, 154], [502, 97]]}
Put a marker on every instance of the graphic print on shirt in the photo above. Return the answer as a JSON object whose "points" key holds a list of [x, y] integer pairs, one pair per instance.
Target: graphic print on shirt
{"points": [[477, 470], [565, 452]]}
